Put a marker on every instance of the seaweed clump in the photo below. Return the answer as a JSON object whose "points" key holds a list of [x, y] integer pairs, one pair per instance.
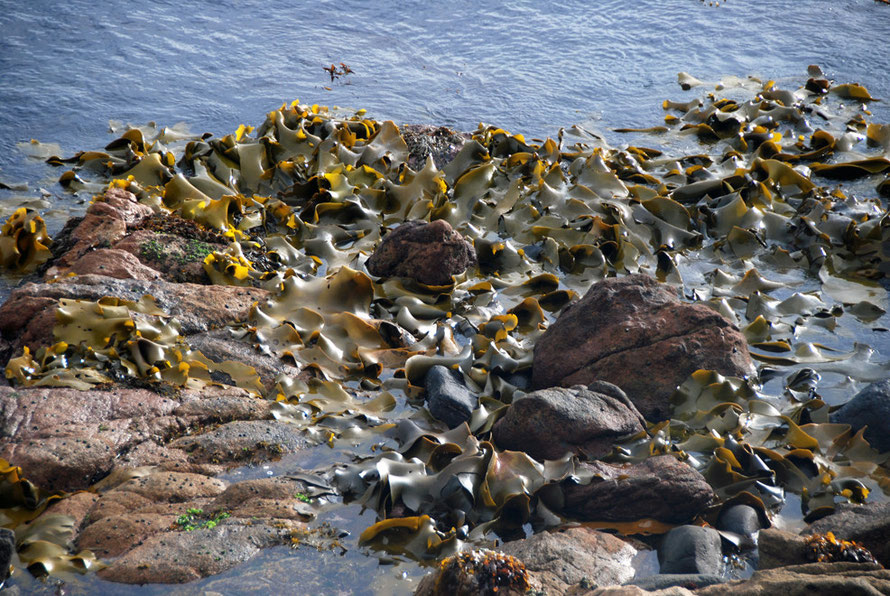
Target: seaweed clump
{"points": [[480, 571], [825, 548]]}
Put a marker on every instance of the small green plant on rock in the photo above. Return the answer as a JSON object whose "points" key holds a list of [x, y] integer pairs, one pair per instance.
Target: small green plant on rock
{"points": [[303, 497], [194, 519]]}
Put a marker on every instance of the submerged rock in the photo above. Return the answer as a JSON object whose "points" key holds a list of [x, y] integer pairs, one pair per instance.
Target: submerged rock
{"points": [[548, 423], [661, 488], [429, 253], [447, 396], [869, 408], [691, 549], [571, 556], [634, 332]]}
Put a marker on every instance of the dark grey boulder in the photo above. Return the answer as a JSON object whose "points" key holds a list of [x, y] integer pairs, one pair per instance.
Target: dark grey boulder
{"points": [[7, 549], [739, 519], [549, 423], [448, 398], [870, 407], [691, 549]]}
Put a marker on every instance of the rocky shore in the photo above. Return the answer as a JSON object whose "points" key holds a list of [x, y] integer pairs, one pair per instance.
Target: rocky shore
{"points": [[487, 342]]}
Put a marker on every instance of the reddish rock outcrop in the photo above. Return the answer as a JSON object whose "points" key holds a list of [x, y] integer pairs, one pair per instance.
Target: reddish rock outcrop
{"points": [[634, 332], [429, 253], [113, 263], [28, 316], [66, 439], [548, 423], [660, 488]]}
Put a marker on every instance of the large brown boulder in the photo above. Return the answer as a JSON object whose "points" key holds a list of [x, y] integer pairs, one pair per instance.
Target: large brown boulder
{"points": [[634, 332], [429, 253], [550, 422], [660, 488]]}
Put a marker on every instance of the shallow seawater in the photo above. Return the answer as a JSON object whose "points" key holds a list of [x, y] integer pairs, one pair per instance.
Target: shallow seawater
{"points": [[68, 70]]}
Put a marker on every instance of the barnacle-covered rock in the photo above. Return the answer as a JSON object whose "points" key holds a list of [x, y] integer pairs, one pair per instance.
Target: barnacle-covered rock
{"points": [[430, 253], [634, 332], [549, 423]]}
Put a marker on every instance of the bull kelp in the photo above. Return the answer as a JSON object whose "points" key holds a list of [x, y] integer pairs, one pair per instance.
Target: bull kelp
{"points": [[761, 202]]}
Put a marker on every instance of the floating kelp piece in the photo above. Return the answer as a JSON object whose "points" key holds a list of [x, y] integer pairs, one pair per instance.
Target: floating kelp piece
{"points": [[852, 91], [852, 169], [24, 242]]}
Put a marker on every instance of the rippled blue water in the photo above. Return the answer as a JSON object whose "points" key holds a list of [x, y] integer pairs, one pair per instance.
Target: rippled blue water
{"points": [[66, 68]]}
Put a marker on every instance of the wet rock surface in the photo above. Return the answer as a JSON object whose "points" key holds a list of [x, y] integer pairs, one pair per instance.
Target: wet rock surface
{"points": [[778, 548], [634, 332], [819, 579], [113, 263], [869, 408], [549, 423], [68, 439], [691, 549], [684, 581], [564, 558], [447, 396], [660, 488], [430, 253]]}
